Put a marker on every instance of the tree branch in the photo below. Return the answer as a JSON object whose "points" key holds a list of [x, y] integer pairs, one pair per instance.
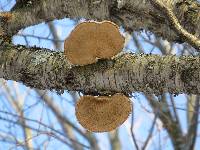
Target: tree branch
{"points": [[133, 15], [192, 129], [174, 111], [114, 140], [44, 69], [191, 39], [165, 116], [150, 132]]}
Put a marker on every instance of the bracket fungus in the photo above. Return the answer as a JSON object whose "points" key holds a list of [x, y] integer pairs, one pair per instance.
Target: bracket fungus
{"points": [[88, 42], [103, 113], [92, 40]]}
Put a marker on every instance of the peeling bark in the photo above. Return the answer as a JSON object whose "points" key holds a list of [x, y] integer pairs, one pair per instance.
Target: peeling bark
{"points": [[45, 69]]}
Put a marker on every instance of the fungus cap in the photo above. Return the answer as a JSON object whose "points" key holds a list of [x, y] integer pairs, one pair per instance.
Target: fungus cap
{"points": [[91, 40], [79, 47], [109, 40], [103, 113]]}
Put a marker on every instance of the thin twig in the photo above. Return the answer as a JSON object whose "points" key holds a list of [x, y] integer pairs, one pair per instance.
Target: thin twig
{"points": [[150, 132], [174, 110], [192, 130], [132, 134], [36, 121]]}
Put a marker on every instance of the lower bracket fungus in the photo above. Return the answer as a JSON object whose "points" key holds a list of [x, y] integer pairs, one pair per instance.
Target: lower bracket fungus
{"points": [[103, 113]]}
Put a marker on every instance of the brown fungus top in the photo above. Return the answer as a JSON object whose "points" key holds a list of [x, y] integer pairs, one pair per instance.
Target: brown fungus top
{"points": [[92, 40], [103, 113]]}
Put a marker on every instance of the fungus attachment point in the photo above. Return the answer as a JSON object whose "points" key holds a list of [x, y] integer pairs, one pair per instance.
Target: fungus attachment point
{"points": [[103, 113], [92, 40]]}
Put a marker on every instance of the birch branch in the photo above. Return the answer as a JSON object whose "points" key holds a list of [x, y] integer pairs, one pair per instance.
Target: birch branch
{"points": [[133, 15], [44, 69]]}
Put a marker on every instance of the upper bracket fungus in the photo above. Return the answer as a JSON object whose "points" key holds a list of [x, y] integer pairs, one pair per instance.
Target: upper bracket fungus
{"points": [[92, 40], [103, 113]]}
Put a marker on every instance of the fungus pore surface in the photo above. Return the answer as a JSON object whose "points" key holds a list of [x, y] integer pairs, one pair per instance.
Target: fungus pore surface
{"points": [[92, 40], [103, 113]]}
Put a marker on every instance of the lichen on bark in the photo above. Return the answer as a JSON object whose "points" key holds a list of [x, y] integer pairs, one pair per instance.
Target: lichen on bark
{"points": [[155, 74]]}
